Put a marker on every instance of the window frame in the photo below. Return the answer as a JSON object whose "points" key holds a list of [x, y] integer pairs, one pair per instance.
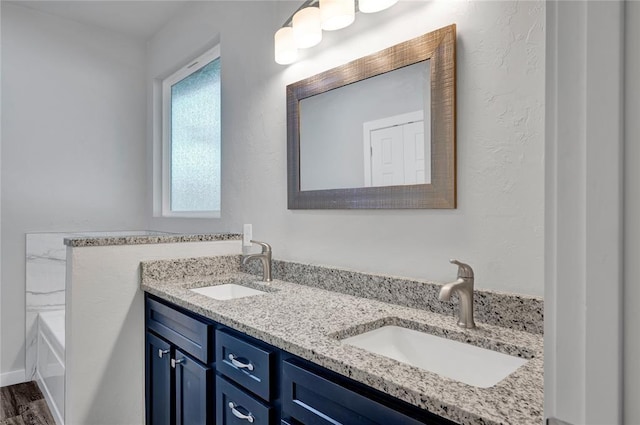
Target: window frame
{"points": [[192, 67]]}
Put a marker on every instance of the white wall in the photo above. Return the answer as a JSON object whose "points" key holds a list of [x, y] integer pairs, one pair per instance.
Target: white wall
{"points": [[72, 140], [632, 212], [104, 382], [498, 226]]}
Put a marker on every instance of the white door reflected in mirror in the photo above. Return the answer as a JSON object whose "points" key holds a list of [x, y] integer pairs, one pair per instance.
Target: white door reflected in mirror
{"points": [[388, 115], [395, 151]]}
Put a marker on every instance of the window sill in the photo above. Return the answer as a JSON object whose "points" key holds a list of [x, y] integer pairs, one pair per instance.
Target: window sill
{"points": [[204, 214]]}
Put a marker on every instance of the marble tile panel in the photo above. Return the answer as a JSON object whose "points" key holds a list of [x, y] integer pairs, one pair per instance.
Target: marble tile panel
{"points": [[45, 286]]}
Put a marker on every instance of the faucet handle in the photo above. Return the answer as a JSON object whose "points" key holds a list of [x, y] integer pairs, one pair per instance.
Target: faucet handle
{"points": [[464, 270], [265, 246]]}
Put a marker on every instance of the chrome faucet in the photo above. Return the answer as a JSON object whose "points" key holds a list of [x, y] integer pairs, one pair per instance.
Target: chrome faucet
{"points": [[464, 286], [264, 256]]}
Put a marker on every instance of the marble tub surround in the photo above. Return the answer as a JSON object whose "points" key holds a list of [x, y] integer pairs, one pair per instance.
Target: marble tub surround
{"points": [[46, 262], [45, 286], [514, 311], [46, 255], [150, 237], [307, 321]]}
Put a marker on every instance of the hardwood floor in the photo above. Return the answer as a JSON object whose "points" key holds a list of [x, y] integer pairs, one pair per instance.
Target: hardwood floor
{"points": [[24, 404]]}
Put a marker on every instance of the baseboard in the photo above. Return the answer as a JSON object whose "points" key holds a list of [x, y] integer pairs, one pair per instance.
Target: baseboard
{"points": [[10, 378]]}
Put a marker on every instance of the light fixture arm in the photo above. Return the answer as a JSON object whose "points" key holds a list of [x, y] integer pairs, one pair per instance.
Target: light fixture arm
{"points": [[308, 3]]}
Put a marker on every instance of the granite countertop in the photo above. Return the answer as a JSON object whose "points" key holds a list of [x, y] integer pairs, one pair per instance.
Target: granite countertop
{"points": [[147, 237], [308, 322]]}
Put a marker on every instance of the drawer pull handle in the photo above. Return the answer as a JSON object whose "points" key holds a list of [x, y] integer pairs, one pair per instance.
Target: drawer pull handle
{"points": [[175, 362], [239, 364], [238, 414], [162, 352]]}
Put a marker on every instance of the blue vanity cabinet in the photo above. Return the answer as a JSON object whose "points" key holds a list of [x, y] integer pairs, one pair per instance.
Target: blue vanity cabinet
{"points": [[247, 381], [246, 388], [179, 373], [313, 399], [193, 391], [248, 363], [234, 406], [182, 329], [158, 364]]}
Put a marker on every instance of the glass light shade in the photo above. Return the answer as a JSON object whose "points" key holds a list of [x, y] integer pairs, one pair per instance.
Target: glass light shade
{"points": [[372, 6], [336, 14], [307, 29], [286, 51]]}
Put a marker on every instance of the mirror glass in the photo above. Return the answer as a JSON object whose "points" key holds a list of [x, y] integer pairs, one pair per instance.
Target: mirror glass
{"points": [[377, 132], [374, 132]]}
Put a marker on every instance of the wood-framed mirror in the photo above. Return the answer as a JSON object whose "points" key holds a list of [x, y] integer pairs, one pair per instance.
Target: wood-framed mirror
{"points": [[377, 132]]}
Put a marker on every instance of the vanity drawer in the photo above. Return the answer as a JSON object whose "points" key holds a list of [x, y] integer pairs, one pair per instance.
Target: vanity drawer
{"points": [[245, 363], [314, 400], [235, 407], [191, 335]]}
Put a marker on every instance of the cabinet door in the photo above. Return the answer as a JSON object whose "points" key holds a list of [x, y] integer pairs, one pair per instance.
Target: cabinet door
{"points": [[158, 381], [194, 391], [314, 400]]}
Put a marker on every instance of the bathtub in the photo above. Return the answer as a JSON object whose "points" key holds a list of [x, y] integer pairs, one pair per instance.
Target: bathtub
{"points": [[50, 361]]}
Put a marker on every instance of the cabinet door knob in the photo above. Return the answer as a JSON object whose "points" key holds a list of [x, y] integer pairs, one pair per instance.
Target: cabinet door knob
{"points": [[238, 414], [175, 362], [239, 364], [162, 352]]}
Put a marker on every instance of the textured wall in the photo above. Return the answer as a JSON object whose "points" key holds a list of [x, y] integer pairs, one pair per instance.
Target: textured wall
{"points": [[498, 226], [72, 142]]}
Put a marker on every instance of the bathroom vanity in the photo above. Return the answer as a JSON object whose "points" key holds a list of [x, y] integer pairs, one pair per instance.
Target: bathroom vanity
{"points": [[280, 357], [192, 361]]}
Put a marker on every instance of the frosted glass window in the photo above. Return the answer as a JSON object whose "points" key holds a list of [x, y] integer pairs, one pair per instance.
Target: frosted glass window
{"points": [[188, 152], [195, 140]]}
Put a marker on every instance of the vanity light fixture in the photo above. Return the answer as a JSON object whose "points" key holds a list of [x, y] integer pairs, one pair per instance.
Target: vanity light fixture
{"points": [[304, 28], [286, 49], [337, 14], [307, 27]]}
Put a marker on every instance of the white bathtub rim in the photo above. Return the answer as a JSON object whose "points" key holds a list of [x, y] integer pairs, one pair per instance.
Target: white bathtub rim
{"points": [[51, 326], [55, 412], [50, 322]]}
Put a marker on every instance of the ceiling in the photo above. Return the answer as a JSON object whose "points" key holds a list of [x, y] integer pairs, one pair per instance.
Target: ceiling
{"points": [[139, 18]]}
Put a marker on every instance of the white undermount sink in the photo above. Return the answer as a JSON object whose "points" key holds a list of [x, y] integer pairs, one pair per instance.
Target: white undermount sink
{"points": [[462, 362], [228, 291]]}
